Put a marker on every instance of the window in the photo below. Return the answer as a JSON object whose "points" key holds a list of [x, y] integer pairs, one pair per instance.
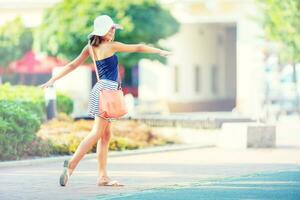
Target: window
{"points": [[198, 78], [214, 79]]}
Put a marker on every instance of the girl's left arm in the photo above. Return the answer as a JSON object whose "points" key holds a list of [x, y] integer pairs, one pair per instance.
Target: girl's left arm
{"points": [[121, 47]]}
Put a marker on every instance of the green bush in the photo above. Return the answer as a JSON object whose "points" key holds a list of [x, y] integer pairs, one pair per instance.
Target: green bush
{"points": [[38, 147], [22, 109], [122, 143], [33, 108], [64, 104], [17, 129], [35, 97], [67, 144]]}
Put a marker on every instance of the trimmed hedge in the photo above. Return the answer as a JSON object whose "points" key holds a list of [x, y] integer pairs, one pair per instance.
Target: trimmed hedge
{"points": [[67, 144], [35, 95], [22, 110], [64, 103], [17, 129], [122, 143], [66, 134]]}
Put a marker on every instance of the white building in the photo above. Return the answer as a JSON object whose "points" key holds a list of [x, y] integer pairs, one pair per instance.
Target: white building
{"points": [[216, 63]]}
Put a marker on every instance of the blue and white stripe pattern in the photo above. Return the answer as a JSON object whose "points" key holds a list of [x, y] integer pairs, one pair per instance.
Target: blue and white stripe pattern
{"points": [[93, 105]]}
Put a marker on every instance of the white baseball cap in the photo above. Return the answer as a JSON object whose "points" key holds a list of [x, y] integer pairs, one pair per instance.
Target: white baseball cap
{"points": [[102, 24]]}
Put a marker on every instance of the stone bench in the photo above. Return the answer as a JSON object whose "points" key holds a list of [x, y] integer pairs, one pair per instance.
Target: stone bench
{"points": [[247, 135]]}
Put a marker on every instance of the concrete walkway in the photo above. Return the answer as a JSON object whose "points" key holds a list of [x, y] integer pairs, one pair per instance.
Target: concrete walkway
{"points": [[142, 172], [146, 171]]}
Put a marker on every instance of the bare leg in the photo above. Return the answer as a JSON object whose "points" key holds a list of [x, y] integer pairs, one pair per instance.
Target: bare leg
{"points": [[102, 151], [88, 142]]}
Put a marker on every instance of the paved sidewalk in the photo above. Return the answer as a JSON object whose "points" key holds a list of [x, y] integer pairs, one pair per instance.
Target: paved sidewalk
{"points": [[145, 171]]}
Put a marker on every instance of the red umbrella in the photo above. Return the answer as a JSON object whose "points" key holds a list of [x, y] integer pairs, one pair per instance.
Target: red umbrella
{"points": [[30, 63]]}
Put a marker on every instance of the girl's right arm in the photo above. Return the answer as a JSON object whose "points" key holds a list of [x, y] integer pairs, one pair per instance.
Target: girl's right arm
{"points": [[121, 47], [69, 67]]}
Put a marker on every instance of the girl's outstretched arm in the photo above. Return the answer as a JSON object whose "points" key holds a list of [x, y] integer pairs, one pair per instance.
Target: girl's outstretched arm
{"points": [[121, 47], [69, 67]]}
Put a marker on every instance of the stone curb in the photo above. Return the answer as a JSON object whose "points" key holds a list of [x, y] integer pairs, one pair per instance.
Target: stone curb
{"points": [[167, 148]]}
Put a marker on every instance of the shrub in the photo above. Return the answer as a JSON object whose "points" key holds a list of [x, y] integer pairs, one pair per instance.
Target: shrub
{"points": [[66, 134], [26, 97], [65, 144], [22, 109], [121, 143], [17, 129], [32, 108], [35, 95], [64, 103], [38, 147]]}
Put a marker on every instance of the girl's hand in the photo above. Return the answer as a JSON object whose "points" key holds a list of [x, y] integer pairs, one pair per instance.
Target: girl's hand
{"points": [[47, 84], [164, 53]]}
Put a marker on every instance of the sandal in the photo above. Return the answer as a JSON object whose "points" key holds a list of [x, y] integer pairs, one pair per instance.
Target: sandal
{"points": [[110, 183], [64, 177]]}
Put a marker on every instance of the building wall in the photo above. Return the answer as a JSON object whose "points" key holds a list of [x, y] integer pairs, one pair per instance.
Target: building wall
{"points": [[249, 67], [76, 85], [230, 61], [201, 72], [202, 62], [154, 81], [239, 75]]}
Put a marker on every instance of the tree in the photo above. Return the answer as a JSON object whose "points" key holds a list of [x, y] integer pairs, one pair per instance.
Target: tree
{"points": [[15, 40], [65, 26], [281, 22]]}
